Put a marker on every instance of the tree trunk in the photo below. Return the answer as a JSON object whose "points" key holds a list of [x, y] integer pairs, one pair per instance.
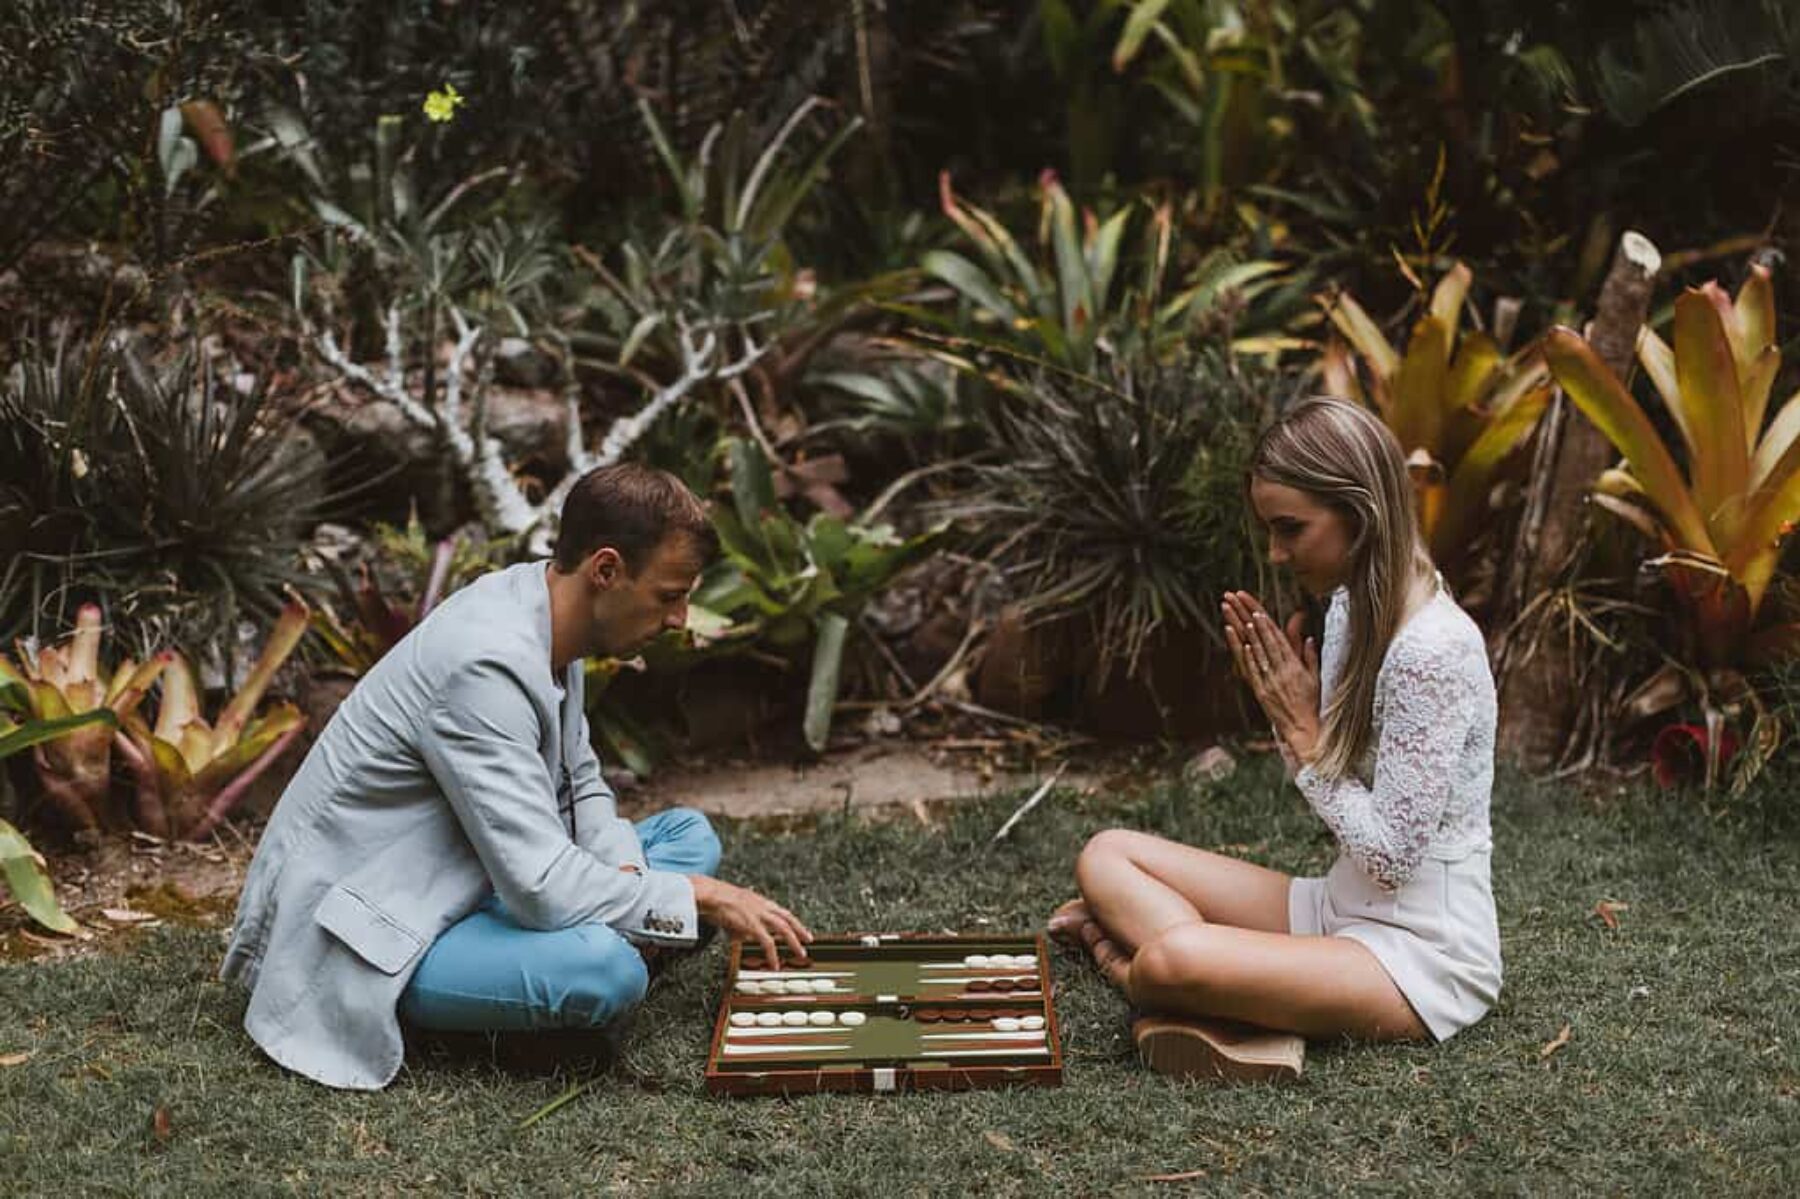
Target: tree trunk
{"points": [[1538, 703]]}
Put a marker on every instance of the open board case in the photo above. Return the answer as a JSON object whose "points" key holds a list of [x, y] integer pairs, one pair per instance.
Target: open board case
{"points": [[887, 1012]]}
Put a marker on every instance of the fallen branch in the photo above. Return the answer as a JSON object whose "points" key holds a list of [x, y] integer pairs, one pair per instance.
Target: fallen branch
{"points": [[1024, 808]]}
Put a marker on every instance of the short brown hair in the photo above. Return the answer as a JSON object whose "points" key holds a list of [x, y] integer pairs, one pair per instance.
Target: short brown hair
{"points": [[631, 508]]}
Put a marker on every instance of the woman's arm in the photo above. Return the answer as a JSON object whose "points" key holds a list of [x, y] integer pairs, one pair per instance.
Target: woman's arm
{"points": [[1429, 706]]}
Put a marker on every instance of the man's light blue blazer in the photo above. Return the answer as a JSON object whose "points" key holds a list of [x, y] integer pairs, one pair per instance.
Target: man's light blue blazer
{"points": [[457, 768]]}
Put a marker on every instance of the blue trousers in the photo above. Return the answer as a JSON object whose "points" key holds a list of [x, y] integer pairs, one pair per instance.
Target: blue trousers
{"points": [[487, 972]]}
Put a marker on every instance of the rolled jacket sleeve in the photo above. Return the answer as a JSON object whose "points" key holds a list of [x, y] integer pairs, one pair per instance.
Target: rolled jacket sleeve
{"points": [[481, 741]]}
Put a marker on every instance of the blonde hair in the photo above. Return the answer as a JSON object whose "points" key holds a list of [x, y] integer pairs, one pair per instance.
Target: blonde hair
{"points": [[1341, 455]]}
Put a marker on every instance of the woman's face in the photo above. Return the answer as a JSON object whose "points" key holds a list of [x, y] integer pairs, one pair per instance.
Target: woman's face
{"points": [[1309, 538]]}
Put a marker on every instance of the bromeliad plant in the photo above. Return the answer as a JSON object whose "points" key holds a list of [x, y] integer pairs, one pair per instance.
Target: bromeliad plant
{"points": [[23, 872], [794, 583], [1722, 519], [1458, 406], [63, 683], [190, 772], [1100, 291], [373, 620]]}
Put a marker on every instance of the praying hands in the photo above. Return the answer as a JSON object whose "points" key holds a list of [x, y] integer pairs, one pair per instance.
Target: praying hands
{"points": [[1282, 668]]}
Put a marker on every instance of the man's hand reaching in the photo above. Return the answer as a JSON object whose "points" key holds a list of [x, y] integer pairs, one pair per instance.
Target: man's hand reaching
{"points": [[741, 912]]}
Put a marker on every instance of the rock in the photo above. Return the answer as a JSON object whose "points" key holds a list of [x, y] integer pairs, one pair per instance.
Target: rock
{"points": [[519, 363], [1211, 765], [397, 465], [300, 456], [335, 543], [881, 722]]}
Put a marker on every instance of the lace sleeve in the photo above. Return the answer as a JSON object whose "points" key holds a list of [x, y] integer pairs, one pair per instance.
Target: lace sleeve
{"points": [[1428, 707], [1290, 764]]}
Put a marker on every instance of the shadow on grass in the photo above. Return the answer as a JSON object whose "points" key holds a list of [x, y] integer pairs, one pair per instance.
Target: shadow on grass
{"points": [[1681, 1071]]}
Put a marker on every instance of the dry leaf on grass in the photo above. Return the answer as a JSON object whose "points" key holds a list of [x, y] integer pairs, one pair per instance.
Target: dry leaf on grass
{"points": [[1562, 1038], [80, 934], [159, 1124], [1608, 910], [15, 1059], [1000, 1141], [1183, 1176]]}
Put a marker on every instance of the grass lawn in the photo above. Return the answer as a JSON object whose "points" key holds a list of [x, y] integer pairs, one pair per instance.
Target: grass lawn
{"points": [[1681, 1071]]}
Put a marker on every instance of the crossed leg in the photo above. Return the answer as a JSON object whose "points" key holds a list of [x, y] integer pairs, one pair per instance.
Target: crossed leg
{"points": [[1187, 932]]}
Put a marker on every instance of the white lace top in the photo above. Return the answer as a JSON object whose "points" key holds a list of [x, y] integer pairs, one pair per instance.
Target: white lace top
{"points": [[1422, 789]]}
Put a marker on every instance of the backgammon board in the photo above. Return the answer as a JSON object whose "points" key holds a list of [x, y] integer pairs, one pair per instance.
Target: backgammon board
{"points": [[887, 1012]]}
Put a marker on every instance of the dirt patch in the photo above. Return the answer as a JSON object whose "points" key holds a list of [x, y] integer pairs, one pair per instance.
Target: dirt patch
{"points": [[128, 884], [875, 776]]}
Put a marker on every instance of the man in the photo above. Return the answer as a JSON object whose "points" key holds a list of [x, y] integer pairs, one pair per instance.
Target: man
{"points": [[448, 852]]}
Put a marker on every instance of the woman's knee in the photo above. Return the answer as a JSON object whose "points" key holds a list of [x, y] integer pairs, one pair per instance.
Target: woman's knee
{"points": [[1103, 851], [1177, 960]]}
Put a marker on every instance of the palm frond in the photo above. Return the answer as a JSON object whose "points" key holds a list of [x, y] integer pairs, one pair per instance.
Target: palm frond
{"points": [[1689, 46]]}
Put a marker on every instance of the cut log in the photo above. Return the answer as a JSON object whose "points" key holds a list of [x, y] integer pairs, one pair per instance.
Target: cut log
{"points": [[1538, 703]]}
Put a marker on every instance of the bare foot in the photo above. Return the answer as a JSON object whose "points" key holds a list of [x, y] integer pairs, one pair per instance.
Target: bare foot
{"points": [[1065, 923], [1113, 961]]}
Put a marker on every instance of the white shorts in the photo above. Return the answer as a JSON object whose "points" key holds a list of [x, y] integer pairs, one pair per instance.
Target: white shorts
{"points": [[1437, 937]]}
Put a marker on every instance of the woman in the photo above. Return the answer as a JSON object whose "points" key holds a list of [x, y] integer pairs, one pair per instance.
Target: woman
{"points": [[1388, 731]]}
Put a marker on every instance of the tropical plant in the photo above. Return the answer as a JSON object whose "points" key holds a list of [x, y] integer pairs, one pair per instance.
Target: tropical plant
{"points": [[1220, 66], [104, 108], [717, 296], [799, 587], [722, 268], [191, 772], [60, 682], [1101, 293], [157, 487], [619, 732], [888, 389], [1119, 500], [1722, 517], [23, 871], [1458, 405], [374, 616], [1689, 45]]}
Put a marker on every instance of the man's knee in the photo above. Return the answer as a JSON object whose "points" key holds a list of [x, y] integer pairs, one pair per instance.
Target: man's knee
{"points": [[605, 983], [694, 833]]}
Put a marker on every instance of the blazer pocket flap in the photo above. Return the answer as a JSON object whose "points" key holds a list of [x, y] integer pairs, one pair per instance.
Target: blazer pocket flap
{"points": [[377, 938]]}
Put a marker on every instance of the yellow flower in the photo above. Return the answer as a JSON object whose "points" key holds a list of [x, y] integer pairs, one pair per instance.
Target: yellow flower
{"points": [[442, 106]]}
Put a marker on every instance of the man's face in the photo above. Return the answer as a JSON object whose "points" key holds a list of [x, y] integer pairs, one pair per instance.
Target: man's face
{"points": [[631, 607]]}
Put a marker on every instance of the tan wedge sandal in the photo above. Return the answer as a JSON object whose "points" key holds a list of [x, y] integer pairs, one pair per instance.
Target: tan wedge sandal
{"points": [[1217, 1050]]}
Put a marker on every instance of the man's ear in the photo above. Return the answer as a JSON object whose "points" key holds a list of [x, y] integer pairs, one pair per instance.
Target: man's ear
{"points": [[605, 567]]}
